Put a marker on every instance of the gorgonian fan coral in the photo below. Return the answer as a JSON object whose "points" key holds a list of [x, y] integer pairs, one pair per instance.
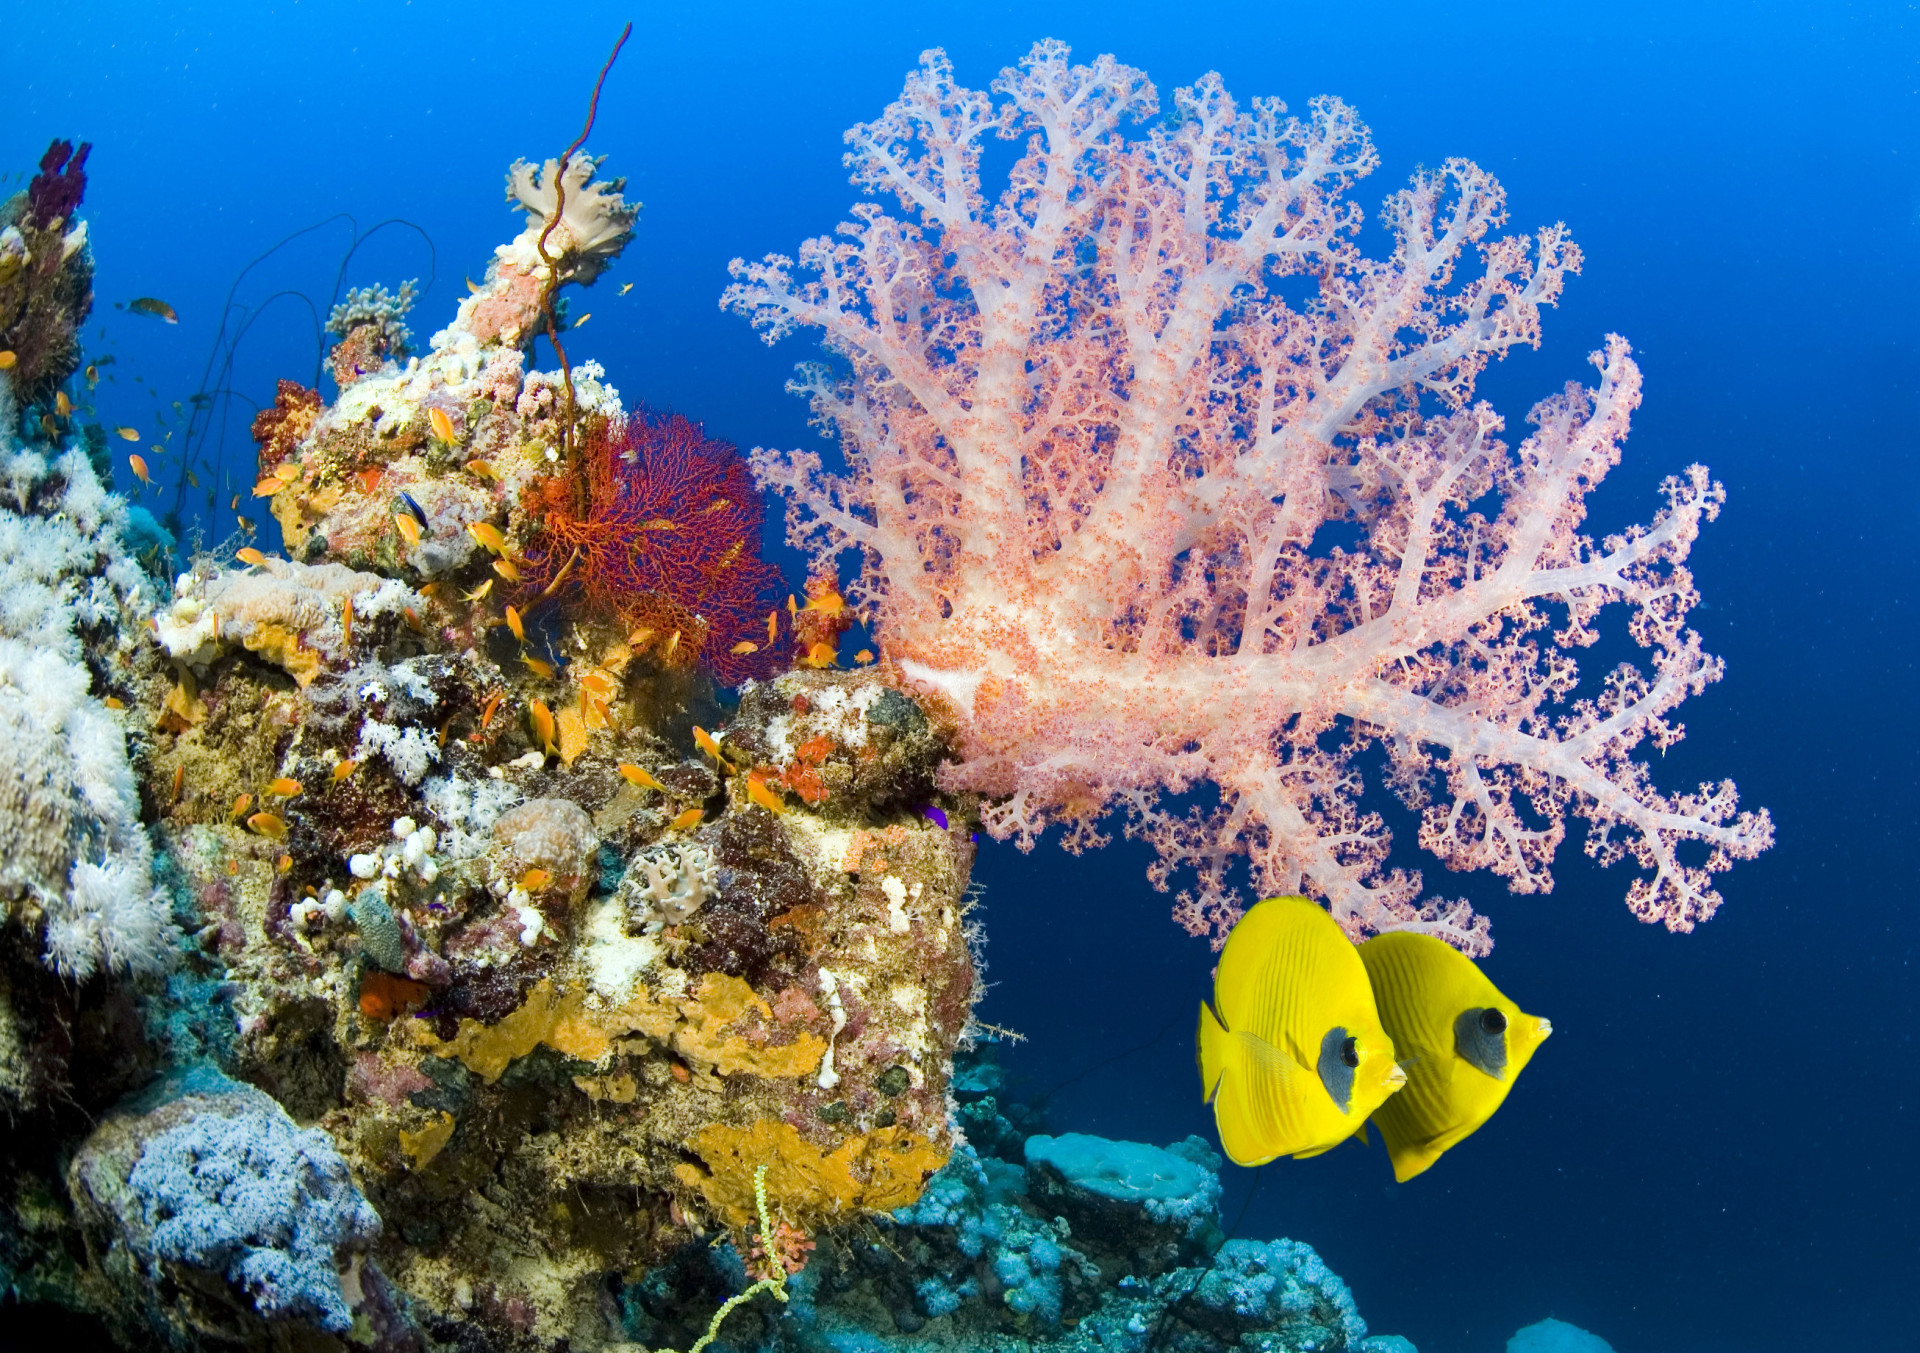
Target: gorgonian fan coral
{"points": [[1146, 523], [669, 544]]}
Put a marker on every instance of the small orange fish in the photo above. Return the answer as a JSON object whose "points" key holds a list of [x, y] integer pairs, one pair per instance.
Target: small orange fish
{"points": [[688, 820], [283, 864], [543, 670], [234, 506], [773, 628], [114, 702], [61, 404], [758, 792], [595, 711], [241, 804], [479, 591], [493, 704], [507, 569], [432, 589], [285, 787], [535, 879], [409, 528], [514, 624], [583, 319], [672, 644], [864, 656], [597, 682], [179, 781], [344, 769], [268, 824], [442, 425], [414, 622], [541, 718], [139, 468], [7, 359], [269, 486], [369, 478], [128, 434], [346, 623], [636, 776], [705, 742], [488, 535], [483, 468], [249, 555], [820, 655], [638, 639]]}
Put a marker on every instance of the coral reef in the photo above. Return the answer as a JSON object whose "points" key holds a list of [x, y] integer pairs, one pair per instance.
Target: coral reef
{"points": [[1144, 521], [1122, 1251], [46, 281]]}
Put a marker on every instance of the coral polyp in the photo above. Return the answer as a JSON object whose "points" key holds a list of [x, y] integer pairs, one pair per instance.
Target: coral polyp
{"points": [[669, 542]]}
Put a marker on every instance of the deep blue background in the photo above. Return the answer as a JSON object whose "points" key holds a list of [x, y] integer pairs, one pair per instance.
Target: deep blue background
{"points": [[1716, 1151]]}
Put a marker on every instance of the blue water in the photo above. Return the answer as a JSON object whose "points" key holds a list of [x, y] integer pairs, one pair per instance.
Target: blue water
{"points": [[1715, 1152]]}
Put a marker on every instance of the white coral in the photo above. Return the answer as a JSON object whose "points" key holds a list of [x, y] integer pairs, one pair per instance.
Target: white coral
{"points": [[667, 885], [595, 221]]}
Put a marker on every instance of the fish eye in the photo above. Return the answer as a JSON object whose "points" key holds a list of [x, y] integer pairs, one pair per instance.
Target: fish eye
{"points": [[1350, 1052], [1493, 1021]]}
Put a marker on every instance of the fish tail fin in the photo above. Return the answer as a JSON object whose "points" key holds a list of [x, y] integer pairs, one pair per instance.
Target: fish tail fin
{"points": [[1215, 1048]]}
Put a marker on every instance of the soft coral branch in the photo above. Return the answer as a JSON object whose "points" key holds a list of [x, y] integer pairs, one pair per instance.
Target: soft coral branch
{"points": [[1090, 449]]}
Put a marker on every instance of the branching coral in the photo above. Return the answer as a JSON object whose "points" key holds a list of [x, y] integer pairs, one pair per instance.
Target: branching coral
{"points": [[669, 543], [1093, 440]]}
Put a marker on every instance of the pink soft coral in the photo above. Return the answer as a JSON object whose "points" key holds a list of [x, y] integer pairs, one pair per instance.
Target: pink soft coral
{"points": [[1096, 433]]}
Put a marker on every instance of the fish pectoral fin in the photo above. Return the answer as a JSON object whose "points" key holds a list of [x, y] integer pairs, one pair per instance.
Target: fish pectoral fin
{"points": [[1360, 1134], [1257, 1105]]}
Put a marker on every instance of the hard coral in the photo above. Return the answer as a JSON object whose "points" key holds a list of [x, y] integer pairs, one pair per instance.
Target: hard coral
{"points": [[669, 541]]}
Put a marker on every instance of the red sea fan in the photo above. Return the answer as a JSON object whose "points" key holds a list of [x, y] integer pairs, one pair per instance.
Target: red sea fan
{"points": [[670, 542]]}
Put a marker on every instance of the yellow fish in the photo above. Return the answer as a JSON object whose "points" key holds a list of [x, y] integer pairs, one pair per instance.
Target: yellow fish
{"points": [[139, 468], [541, 719], [268, 824], [1462, 1044], [637, 775], [535, 879], [61, 404], [488, 535], [7, 360], [515, 624], [442, 425], [543, 670], [249, 555], [285, 787], [408, 527], [507, 569], [625, 289], [688, 820], [343, 770], [1295, 1058], [758, 793]]}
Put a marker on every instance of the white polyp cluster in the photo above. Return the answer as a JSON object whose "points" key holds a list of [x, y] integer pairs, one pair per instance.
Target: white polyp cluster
{"points": [[830, 988], [311, 913], [411, 852]]}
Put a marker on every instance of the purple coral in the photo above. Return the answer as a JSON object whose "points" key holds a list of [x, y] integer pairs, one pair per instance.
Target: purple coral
{"points": [[55, 192]]}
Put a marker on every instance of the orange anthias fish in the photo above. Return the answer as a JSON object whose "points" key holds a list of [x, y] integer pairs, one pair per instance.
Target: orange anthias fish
{"points": [[268, 824], [515, 625], [61, 404], [344, 769], [139, 468], [543, 670], [639, 777], [541, 719], [493, 704], [409, 528], [507, 569], [488, 535], [128, 434], [758, 792], [241, 804], [442, 425], [746, 646], [535, 879], [688, 820], [705, 742], [285, 787], [249, 555]]}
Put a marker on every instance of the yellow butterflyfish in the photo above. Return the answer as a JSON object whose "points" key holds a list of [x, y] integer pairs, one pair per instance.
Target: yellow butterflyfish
{"points": [[1461, 1041], [1293, 1056]]}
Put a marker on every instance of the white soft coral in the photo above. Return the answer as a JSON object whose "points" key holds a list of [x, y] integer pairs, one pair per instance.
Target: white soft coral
{"points": [[595, 221]]}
